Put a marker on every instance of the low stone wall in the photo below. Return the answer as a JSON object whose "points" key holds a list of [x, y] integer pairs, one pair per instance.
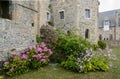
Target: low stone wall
{"points": [[113, 43]]}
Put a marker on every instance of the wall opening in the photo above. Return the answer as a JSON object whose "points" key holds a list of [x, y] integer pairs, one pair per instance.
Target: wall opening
{"points": [[87, 34], [5, 9]]}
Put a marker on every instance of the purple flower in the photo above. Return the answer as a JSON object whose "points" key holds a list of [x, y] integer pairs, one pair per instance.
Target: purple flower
{"points": [[6, 63], [30, 47], [24, 56]]}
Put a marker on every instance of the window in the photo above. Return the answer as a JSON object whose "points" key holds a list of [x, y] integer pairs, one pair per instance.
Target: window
{"points": [[61, 15], [87, 34], [106, 22], [87, 13], [48, 16], [4, 9]]}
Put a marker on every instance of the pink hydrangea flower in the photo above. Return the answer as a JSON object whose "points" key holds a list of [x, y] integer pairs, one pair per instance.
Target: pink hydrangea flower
{"points": [[17, 54], [50, 52], [12, 69], [38, 50], [27, 53], [45, 57], [42, 54], [43, 60], [24, 56], [45, 49], [42, 45], [30, 47], [37, 46], [6, 63]]}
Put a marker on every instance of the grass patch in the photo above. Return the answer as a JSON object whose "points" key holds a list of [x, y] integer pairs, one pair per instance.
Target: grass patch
{"points": [[54, 71]]}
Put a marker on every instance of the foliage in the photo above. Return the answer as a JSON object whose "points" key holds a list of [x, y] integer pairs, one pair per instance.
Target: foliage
{"points": [[78, 55], [38, 39], [70, 45], [101, 44], [31, 58], [85, 62], [95, 47]]}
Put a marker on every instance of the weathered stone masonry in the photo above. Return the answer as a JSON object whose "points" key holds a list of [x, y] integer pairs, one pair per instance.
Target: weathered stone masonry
{"points": [[20, 31], [74, 17]]}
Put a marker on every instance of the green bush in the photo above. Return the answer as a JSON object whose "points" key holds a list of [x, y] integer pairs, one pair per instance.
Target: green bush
{"points": [[78, 56], [95, 47], [102, 44], [84, 66], [71, 45]]}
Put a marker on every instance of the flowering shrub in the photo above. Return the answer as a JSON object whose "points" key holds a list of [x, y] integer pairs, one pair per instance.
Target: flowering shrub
{"points": [[69, 45], [78, 55], [85, 62], [31, 58]]}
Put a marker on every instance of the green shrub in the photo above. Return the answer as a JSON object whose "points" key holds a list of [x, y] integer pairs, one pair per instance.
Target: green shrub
{"points": [[85, 64], [102, 44], [94, 47], [71, 45]]}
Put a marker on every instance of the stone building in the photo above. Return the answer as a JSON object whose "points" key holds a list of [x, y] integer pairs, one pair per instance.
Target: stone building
{"points": [[20, 21], [109, 25], [80, 16]]}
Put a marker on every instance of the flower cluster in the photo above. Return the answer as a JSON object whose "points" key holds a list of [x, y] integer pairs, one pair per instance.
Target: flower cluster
{"points": [[31, 58]]}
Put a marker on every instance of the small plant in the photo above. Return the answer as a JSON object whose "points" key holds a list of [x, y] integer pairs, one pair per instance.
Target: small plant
{"points": [[38, 39], [102, 44]]}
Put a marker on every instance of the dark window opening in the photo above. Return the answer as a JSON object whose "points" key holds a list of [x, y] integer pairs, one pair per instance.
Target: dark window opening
{"points": [[61, 15], [4, 9], [87, 13], [87, 34], [100, 37]]}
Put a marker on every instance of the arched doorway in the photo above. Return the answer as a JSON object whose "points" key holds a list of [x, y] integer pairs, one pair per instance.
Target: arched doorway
{"points": [[87, 34]]}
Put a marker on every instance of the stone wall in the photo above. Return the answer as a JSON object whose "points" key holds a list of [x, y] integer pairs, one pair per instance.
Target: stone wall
{"points": [[113, 43], [106, 35], [19, 32], [89, 23], [74, 17]]}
